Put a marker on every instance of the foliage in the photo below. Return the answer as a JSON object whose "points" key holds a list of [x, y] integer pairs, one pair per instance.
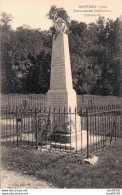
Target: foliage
{"points": [[94, 53], [25, 60], [55, 13]]}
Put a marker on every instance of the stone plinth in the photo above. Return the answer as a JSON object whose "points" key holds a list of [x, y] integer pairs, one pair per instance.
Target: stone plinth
{"points": [[61, 98]]}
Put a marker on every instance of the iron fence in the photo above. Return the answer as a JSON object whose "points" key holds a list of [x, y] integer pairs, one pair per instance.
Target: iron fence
{"points": [[85, 130], [40, 100], [23, 99]]}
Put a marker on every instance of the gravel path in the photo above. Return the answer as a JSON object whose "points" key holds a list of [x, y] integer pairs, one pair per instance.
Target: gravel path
{"points": [[10, 179]]}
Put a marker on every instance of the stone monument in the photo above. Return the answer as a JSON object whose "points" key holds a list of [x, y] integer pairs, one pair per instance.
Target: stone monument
{"points": [[61, 93]]}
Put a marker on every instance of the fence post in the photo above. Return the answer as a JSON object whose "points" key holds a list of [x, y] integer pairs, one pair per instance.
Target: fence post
{"points": [[36, 129], [17, 126], [87, 118], [76, 128], [115, 122], [81, 117]]}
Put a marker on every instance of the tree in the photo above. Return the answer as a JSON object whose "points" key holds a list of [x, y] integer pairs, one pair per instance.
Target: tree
{"points": [[109, 39], [5, 20], [94, 52], [30, 49], [85, 69], [55, 13], [6, 71], [24, 53]]}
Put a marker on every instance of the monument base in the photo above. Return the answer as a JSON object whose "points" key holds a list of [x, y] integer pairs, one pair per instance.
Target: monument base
{"points": [[62, 98], [67, 141], [64, 118], [66, 131], [66, 123]]}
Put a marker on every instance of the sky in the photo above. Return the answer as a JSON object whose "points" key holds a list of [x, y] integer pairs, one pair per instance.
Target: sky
{"points": [[33, 12]]}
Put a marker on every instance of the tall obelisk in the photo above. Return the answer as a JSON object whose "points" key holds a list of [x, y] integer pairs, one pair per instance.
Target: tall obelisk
{"points": [[61, 93]]}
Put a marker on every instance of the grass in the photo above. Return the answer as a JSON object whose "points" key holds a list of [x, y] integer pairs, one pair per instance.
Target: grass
{"points": [[65, 170]]}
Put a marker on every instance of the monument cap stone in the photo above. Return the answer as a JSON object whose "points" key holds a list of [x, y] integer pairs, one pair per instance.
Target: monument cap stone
{"points": [[60, 25]]}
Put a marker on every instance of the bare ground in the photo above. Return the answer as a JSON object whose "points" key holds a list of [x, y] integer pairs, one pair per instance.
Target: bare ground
{"points": [[10, 179]]}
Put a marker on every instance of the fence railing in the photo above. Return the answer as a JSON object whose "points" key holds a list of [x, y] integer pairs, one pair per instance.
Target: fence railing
{"points": [[85, 130], [23, 99], [40, 99]]}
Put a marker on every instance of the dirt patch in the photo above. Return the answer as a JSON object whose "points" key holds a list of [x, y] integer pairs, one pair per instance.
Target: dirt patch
{"points": [[10, 179]]}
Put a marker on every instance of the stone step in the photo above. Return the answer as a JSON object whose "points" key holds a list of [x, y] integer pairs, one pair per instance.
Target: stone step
{"points": [[65, 138], [61, 138], [61, 146], [76, 145]]}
